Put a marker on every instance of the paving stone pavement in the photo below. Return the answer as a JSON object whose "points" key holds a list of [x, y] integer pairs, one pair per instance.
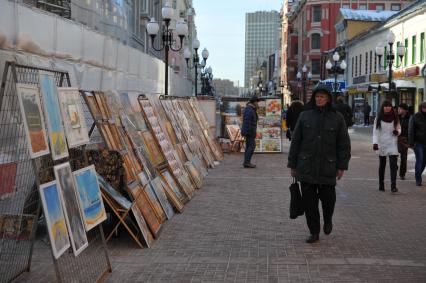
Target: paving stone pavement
{"points": [[237, 229]]}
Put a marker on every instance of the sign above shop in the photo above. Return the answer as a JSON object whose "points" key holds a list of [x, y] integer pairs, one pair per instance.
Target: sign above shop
{"points": [[412, 72], [378, 78]]}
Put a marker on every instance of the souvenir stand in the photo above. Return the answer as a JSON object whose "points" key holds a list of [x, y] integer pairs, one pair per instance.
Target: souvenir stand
{"points": [[30, 171]]}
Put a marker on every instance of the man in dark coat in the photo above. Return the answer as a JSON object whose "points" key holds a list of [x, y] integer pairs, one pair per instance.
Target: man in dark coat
{"points": [[367, 110], [345, 110], [417, 139], [320, 151], [404, 119], [248, 130]]}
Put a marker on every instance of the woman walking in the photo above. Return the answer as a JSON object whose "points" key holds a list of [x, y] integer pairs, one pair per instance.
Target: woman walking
{"points": [[385, 141]]}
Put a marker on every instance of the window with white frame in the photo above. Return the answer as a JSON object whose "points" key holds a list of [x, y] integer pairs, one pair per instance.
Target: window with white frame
{"points": [[315, 41], [316, 13]]}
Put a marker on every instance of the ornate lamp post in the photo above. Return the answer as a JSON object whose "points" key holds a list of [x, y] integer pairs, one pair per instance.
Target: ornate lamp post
{"points": [[336, 69], [260, 86], [304, 78], [167, 40], [196, 60], [390, 57], [206, 78]]}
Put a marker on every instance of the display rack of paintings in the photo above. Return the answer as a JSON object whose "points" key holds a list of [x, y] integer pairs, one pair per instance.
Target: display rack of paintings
{"points": [[39, 135]]}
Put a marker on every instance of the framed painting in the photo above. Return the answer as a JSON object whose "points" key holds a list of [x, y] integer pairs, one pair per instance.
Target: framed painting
{"points": [[273, 107], [55, 219], [170, 181], [91, 203], [73, 117], [143, 227], [113, 193], [93, 105], [154, 152], [32, 116], [16, 226], [155, 203], [75, 222], [49, 92], [158, 187]]}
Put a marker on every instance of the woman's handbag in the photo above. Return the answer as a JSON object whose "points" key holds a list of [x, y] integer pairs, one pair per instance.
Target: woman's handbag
{"points": [[296, 203]]}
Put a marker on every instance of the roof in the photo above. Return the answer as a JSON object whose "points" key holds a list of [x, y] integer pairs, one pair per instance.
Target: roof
{"points": [[366, 15]]}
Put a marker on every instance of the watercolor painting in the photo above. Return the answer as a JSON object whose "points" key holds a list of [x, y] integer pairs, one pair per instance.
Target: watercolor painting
{"points": [[49, 93], [55, 219], [119, 198], [32, 116], [65, 179], [73, 117], [91, 203]]}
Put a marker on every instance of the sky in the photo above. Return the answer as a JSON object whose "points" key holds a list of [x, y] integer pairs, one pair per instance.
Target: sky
{"points": [[221, 29]]}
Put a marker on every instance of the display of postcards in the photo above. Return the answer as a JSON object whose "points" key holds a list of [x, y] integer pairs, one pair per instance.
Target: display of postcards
{"points": [[271, 133], [91, 203], [261, 110], [273, 107], [35, 130], [261, 120], [113, 193], [258, 145], [271, 145], [55, 220], [272, 122], [73, 217], [155, 203], [73, 117], [259, 133], [49, 91], [16, 226], [143, 227]]}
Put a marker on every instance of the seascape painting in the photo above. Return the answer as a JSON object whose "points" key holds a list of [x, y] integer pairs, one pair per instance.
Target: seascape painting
{"points": [[119, 198], [72, 115], [55, 219], [72, 213], [49, 92], [91, 203], [32, 116]]}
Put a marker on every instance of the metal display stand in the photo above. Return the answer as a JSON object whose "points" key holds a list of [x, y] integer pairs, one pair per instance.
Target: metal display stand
{"points": [[23, 201]]}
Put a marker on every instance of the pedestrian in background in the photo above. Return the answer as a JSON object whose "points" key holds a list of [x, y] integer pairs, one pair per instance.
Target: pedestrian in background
{"points": [[367, 110], [248, 130], [345, 110], [319, 153], [385, 140], [417, 140], [403, 145], [293, 113]]}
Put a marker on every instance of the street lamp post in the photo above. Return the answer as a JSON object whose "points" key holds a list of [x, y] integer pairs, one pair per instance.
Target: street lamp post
{"points": [[390, 57], [196, 60], [206, 78], [335, 69], [304, 78], [260, 84], [167, 40]]}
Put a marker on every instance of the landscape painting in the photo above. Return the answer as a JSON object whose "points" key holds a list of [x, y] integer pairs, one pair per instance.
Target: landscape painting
{"points": [[72, 213], [49, 93], [32, 116], [72, 115], [91, 203], [55, 219]]}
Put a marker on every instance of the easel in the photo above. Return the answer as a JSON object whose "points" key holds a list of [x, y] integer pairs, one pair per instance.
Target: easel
{"points": [[236, 139]]}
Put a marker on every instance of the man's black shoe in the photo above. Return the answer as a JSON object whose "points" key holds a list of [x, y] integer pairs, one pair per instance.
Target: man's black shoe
{"points": [[312, 239], [328, 226], [402, 177], [249, 165], [394, 190], [382, 187], [418, 184]]}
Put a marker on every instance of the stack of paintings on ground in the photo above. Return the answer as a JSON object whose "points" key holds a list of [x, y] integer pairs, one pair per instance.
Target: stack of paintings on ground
{"points": [[155, 155]]}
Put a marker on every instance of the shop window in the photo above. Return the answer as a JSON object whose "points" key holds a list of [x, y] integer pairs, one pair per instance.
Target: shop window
{"points": [[316, 13], [413, 49], [315, 66], [315, 41], [395, 7], [422, 47]]}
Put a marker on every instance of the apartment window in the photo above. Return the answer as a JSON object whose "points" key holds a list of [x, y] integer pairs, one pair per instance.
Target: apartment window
{"points": [[362, 7], [385, 62], [360, 64], [395, 7], [352, 66], [380, 7], [371, 61], [422, 47], [406, 53], [413, 49], [316, 13], [356, 66], [144, 7], [316, 41], [346, 6], [315, 66], [296, 48], [375, 63], [366, 62]]}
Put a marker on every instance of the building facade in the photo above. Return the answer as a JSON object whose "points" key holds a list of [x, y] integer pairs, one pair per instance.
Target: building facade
{"points": [[312, 33], [367, 76], [261, 40]]}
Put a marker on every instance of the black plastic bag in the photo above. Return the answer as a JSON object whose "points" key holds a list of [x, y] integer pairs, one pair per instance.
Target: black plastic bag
{"points": [[296, 203]]}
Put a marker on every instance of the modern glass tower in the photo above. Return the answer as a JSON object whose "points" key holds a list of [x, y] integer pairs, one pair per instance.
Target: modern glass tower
{"points": [[261, 40]]}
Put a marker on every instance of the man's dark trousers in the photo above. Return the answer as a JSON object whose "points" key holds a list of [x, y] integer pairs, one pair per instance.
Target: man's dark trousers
{"points": [[311, 194], [250, 147]]}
